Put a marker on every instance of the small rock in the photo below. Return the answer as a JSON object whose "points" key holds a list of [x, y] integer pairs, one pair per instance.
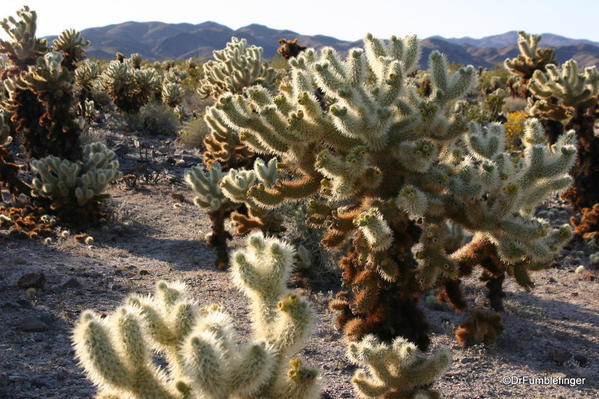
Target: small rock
{"points": [[143, 272], [71, 283], [19, 260], [552, 280], [467, 360], [24, 303], [560, 356], [581, 360], [31, 280], [44, 382], [32, 324]]}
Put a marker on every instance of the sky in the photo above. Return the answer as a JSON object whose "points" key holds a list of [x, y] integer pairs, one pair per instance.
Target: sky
{"points": [[346, 20]]}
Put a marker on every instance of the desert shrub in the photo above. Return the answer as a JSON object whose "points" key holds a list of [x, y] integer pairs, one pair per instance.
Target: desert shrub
{"points": [[193, 132], [154, 119], [514, 129], [513, 104]]}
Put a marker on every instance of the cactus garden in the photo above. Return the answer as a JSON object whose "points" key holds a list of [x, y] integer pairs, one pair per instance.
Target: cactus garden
{"points": [[366, 222]]}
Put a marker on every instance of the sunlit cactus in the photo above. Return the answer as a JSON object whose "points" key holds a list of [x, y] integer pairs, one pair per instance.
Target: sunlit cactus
{"points": [[384, 155], [220, 194], [55, 131], [397, 370], [233, 68], [129, 87], [569, 96], [23, 47], [72, 46], [204, 358], [531, 58], [75, 186]]}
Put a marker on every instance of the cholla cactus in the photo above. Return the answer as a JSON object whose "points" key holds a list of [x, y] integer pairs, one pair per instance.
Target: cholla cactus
{"points": [[55, 131], [223, 144], [75, 185], [234, 68], [221, 193], [205, 361], [72, 46], [24, 47], [530, 58], [570, 97], [397, 370], [129, 88], [9, 170], [383, 156], [206, 185]]}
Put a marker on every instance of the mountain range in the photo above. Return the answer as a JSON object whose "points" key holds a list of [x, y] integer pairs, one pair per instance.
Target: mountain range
{"points": [[158, 40]]}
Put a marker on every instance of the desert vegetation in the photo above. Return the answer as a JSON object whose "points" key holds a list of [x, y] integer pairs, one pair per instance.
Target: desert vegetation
{"points": [[324, 225]]}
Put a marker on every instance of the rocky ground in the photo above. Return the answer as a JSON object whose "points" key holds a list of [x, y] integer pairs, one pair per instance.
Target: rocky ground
{"points": [[154, 233]]}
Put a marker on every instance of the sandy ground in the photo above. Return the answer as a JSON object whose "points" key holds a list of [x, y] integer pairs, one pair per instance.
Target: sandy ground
{"points": [[551, 331]]}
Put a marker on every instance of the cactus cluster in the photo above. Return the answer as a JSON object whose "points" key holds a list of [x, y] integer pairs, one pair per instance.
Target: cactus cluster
{"points": [[75, 185], [384, 156], [397, 370], [569, 98], [233, 68], [199, 344], [530, 59], [129, 85], [222, 193]]}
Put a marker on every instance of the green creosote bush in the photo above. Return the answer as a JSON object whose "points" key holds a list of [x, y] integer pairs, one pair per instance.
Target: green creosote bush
{"points": [[204, 358], [154, 119], [72, 185]]}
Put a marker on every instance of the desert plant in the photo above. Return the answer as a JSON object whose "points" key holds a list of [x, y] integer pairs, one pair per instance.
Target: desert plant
{"points": [[481, 327], [193, 132], [530, 59], [570, 97], [514, 129], [199, 344], [129, 88], [289, 48], [23, 47], [397, 370], [154, 119], [384, 157], [221, 193], [9, 170], [72, 46], [75, 188], [40, 102], [234, 68]]}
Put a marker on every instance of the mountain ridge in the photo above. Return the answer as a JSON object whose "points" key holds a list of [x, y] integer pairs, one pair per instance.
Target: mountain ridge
{"points": [[160, 40]]}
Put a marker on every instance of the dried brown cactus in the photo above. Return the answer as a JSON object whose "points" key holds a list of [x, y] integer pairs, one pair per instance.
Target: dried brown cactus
{"points": [[481, 328]]}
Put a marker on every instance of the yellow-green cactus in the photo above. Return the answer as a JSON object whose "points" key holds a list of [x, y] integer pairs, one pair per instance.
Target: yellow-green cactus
{"points": [[23, 47], [397, 370], [205, 359], [233, 68], [72, 46], [71, 185], [384, 152]]}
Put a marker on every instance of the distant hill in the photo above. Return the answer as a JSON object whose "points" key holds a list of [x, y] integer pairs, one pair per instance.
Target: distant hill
{"points": [[158, 40]]}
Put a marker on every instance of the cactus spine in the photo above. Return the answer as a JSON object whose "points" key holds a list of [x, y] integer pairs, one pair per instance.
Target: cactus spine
{"points": [[205, 361]]}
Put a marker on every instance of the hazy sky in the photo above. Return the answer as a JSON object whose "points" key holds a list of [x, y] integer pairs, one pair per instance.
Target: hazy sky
{"points": [[346, 19]]}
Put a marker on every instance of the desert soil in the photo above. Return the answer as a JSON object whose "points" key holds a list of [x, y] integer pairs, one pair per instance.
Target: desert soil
{"points": [[551, 331]]}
